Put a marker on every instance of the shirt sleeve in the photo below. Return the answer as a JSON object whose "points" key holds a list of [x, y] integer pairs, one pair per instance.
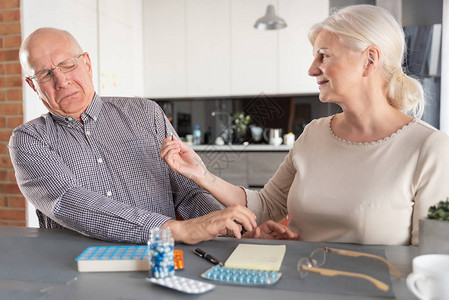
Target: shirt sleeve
{"points": [[190, 200], [49, 184], [431, 178]]}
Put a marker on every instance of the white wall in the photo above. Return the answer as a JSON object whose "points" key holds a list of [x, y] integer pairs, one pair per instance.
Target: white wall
{"points": [[109, 30], [444, 96]]}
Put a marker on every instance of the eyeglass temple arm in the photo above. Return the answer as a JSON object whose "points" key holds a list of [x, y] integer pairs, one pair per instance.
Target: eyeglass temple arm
{"points": [[357, 254], [328, 272]]}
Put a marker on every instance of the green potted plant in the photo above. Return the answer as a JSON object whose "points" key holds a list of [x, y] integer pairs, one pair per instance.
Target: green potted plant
{"points": [[434, 230], [240, 124]]}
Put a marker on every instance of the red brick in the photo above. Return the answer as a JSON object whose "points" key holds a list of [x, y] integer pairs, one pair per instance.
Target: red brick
{"points": [[16, 202], [3, 177], [14, 94], [2, 201], [11, 175], [5, 162], [2, 69], [9, 188], [13, 122], [13, 68], [9, 4], [11, 81], [4, 148], [5, 134], [2, 121], [11, 15], [12, 214], [12, 41], [9, 28], [11, 108], [17, 223], [9, 55]]}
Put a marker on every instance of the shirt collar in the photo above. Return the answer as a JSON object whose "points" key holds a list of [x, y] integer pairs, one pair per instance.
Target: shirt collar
{"points": [[92, 111], [94, 108]]}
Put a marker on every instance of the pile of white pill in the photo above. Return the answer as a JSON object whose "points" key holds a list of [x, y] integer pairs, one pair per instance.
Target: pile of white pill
{"points": [[182, 284]]}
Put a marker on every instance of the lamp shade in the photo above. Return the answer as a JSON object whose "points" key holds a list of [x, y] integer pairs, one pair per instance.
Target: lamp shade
{"points": [[270, 21]]}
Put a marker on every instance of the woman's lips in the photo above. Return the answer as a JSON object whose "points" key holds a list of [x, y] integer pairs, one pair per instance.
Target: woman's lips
{"points": [[322, 82]]}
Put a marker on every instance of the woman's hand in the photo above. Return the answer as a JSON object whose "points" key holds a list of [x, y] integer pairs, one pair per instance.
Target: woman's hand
{"points": [[183, 160], [271, 230]]}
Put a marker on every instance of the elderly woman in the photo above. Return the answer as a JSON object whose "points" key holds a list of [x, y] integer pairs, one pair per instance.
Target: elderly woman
{"points": [[365, 175]]}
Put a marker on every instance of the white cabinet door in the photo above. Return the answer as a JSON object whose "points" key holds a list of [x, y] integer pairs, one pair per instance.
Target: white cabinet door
{"points": [[164, 48], [254, 59], [295, 50], [208, 51], [120, 48]]}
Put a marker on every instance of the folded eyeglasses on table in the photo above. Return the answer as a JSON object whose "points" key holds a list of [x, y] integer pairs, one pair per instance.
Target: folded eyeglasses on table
{"points": [[317, 258]]}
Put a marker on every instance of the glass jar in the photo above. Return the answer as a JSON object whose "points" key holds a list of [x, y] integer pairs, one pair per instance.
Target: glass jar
{"points": [[161, 253]]}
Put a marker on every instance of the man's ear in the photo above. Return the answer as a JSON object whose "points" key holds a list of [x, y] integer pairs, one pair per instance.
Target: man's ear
{"points": [[30, 83], [88, 62]]}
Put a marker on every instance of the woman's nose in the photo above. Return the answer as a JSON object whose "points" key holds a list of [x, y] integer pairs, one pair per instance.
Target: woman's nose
{"points": [[314, 70]]}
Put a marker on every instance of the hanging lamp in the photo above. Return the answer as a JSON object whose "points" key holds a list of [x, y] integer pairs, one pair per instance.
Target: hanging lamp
{"points": [[270, 21]]}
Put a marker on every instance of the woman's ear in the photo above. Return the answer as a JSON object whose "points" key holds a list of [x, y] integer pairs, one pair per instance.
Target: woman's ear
{"points": [[372, 54]]}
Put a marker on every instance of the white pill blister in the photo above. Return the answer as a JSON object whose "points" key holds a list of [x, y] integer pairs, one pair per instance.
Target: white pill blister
{"points": [[182, 284]]}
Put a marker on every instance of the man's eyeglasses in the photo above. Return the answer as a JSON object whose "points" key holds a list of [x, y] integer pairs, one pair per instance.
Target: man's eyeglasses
{"points": [[65, 66], [317, 258]]}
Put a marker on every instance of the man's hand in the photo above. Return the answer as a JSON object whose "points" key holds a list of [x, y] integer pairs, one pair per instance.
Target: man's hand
{"points": [[271, 230], [226, 221]]}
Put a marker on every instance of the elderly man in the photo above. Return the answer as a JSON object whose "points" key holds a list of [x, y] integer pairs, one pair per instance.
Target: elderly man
{"points": [[92, 164]]}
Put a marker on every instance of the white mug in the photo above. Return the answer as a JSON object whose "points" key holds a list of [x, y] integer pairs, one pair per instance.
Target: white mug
{"points": [[430, 277], [289, 139]]}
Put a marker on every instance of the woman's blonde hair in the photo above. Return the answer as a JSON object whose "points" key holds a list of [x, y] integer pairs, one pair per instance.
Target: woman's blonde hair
{"points": [[360, 26]]}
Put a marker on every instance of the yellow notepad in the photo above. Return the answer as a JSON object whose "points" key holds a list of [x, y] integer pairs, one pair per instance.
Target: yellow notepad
{"points": [[257, 257]]}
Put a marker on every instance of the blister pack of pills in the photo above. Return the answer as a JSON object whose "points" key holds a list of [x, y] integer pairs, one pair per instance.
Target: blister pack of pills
{"points": [[182, 284], [242, 276]]}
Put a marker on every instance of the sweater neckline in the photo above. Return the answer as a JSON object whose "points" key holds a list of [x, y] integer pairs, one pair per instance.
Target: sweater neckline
{"points": [[380, 141]]}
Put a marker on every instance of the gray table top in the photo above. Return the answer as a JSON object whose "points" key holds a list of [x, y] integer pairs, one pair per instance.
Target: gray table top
{"points": [[40, 264]]}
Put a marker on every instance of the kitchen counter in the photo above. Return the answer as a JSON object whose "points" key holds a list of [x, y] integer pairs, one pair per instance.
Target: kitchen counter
{"points": [[243, 148]]}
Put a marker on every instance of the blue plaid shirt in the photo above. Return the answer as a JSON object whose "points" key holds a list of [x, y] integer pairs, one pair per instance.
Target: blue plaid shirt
{"points": [[104, 177]]}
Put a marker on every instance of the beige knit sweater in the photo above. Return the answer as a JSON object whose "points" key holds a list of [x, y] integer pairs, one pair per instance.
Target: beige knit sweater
{"points": [[367, 193]]}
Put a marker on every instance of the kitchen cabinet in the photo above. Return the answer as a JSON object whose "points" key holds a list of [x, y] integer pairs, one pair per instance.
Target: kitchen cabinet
{"points": [[250, 169], [164, 48], [208, 54], [120, 47], [295, 50], [254, 65], [262, 166], [210, 48], [231, 166]]}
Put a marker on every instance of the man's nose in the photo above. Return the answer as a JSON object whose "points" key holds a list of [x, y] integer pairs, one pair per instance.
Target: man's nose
{"points": [[59, 78]]}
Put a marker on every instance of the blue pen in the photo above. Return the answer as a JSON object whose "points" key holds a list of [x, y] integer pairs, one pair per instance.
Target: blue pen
{"points": [[171, 135]]}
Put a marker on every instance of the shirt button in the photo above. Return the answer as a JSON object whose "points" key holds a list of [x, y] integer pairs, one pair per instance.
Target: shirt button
{"points": [[69, 119], [109, 193], [100, 160], [88, 132]]}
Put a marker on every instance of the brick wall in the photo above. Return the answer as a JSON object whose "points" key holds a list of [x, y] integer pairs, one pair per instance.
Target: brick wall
{"points": [[12, 203]]}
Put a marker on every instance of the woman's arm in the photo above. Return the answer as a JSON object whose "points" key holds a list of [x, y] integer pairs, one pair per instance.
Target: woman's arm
{"points": [[183, 160]]}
